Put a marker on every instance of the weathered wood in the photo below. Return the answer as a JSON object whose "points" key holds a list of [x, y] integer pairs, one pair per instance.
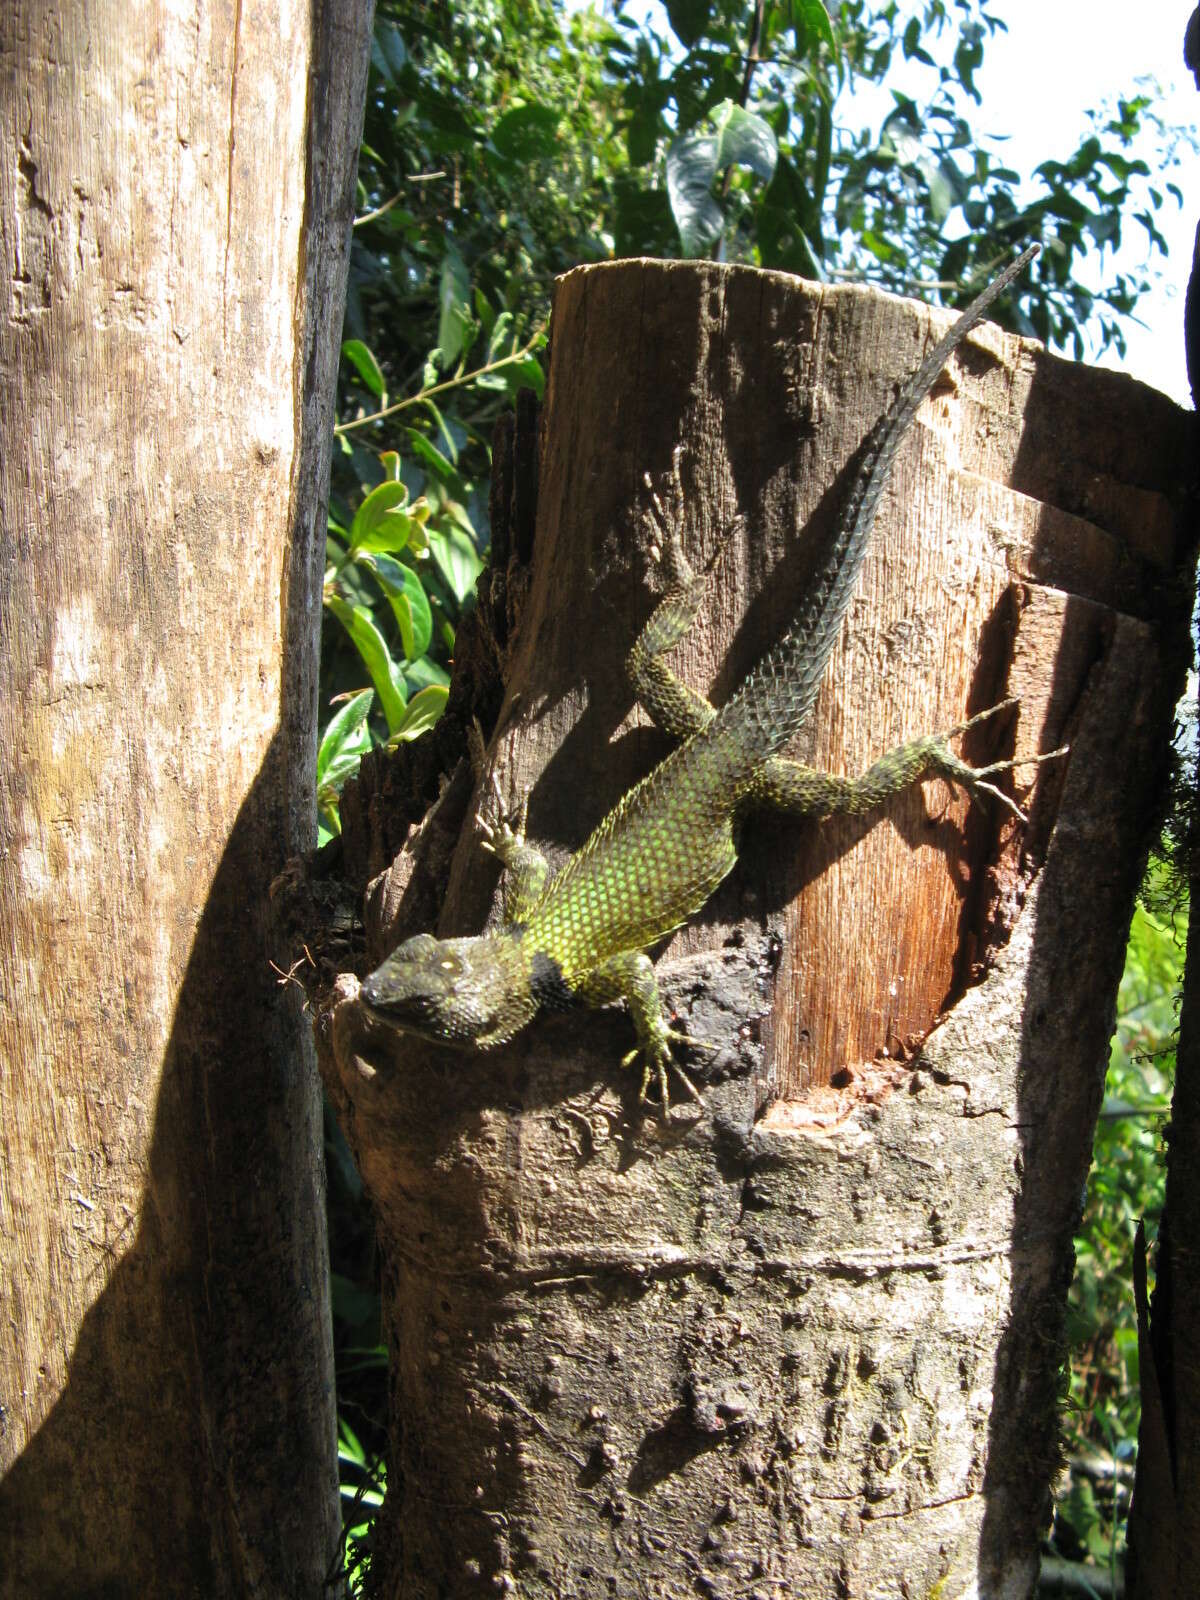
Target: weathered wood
{"points": [[810, 1339], [176, 192]]}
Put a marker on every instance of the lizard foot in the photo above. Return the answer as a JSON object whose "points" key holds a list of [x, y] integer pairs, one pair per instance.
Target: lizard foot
{"points": [[974, 779], [657, 1060], [667, 546], [503, 829]]}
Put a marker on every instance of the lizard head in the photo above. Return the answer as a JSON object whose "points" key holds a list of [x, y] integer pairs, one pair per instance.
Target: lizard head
{"points": [[457, 991]]}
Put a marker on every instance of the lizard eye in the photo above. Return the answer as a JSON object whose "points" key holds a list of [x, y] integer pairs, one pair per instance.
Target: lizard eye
{"points": [[450, 964]]}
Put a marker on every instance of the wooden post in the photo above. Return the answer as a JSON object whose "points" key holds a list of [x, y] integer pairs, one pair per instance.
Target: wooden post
{"points": [[176, 193]]}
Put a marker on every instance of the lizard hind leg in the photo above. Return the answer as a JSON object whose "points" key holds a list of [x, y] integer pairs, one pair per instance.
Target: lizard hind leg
{"points": [[802, 791], [674, 706]]}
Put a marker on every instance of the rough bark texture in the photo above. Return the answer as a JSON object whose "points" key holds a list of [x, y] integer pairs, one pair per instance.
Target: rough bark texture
{"points": [[808, 1341], [176, 189], [1164, 1520]]}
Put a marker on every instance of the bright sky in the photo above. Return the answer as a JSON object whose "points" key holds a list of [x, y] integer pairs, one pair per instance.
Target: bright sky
{"points": [[1059, 59]]}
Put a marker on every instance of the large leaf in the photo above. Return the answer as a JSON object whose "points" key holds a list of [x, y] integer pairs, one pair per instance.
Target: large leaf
{"points": [[388, 54], [689, 18], [454, 306], [457, 559], [811, 20], [733, 137], [377, 658], [526, 133], [408, 600], [423, 711], [346, 739]]}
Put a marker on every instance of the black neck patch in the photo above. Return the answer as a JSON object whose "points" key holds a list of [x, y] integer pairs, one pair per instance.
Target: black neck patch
{"points": [[547, 984]]}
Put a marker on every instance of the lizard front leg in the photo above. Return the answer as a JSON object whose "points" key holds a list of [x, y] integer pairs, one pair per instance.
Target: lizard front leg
{"points": [[630, 977], [526, 870], [790, 786]]}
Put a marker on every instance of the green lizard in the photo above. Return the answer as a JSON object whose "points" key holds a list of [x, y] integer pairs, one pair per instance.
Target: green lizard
{"points": [[582, 935]]}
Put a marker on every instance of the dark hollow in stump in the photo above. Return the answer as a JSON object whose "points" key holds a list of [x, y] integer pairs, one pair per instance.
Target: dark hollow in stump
{"points": [[807, 1341]]}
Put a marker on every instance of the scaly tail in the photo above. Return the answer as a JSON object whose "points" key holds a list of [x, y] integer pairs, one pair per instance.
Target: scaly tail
{"points": [[779, 693]]}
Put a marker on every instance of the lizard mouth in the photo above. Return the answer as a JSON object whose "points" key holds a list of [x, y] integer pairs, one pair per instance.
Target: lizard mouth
{"points": [[413, 1012]]}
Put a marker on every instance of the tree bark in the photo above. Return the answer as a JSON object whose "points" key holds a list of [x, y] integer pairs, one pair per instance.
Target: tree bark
{"points": [[1164, 1519], [176, 193], [808, 1340]]}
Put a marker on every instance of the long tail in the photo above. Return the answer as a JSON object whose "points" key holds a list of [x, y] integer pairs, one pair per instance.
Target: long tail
{"points": [[779, 693]]}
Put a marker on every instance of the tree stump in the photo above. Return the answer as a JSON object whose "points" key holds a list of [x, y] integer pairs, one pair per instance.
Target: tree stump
{"points": [[807, 1340]]}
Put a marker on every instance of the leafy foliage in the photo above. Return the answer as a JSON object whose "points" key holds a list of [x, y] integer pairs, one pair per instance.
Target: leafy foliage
{"points": [[362, 1482], [1126, 1186]]}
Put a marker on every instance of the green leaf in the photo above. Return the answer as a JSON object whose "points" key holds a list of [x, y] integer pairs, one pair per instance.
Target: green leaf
{"points": [[457, 559], [810, 18], [518, 372], [393, 532], [457, 513], [388, 54], [404, 621], [782, 222], [372, 647], [641, 135], [454, 306], [408, 600], [380, 523], [527, 133], [744, 140], [423, 711], [344, 734], [432, 456], [365, 364], [734, 137], [389, 460], [445, 432], [485, 312], [643, 224], [420, 673], [689, 18]]}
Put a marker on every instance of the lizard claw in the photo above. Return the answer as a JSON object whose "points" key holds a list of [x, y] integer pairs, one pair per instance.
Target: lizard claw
{"points": [[667, 547], [979, 786], [974, 779], [501, 827], [657, 1060]]}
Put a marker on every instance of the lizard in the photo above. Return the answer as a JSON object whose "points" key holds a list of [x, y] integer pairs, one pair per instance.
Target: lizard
{"points": [[581, 935]]}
